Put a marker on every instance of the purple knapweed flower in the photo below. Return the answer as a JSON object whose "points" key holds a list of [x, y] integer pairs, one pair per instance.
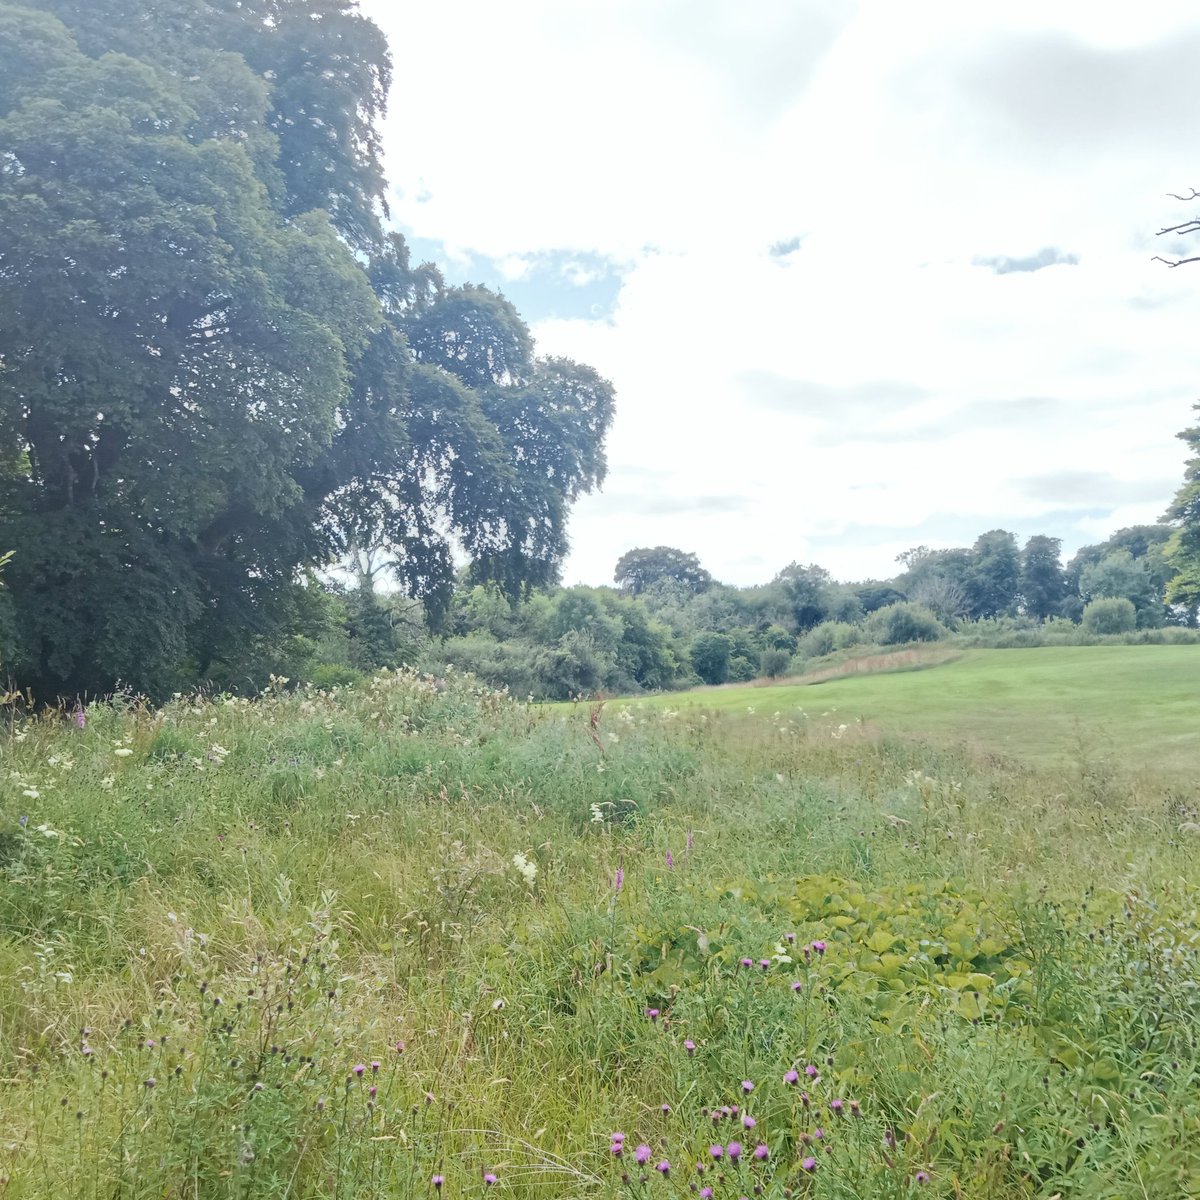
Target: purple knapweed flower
{"points": [[716, 1150], [791, 1077], [819, 947], [689, 1046], [747, 962], [809, 1164], [761, 1152], [642, 1154], [747, 1086], [734, 1150]]}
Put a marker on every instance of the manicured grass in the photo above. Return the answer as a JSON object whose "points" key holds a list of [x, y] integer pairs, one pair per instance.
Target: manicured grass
{"points": [[333, 946], [1139, 705]]}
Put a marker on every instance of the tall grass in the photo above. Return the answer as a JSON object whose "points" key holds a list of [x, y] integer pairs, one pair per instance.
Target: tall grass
{"points": [[404, 938]]}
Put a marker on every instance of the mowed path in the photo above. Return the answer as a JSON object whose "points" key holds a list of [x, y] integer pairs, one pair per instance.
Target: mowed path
{"points": [[1052, 705]]}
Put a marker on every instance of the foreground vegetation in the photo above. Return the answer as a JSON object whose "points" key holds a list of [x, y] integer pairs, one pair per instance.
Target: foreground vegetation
{"points": [[413, 938]]}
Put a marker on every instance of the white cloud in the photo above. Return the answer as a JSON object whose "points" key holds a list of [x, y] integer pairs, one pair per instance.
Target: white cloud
{"points": [[877, 378]]}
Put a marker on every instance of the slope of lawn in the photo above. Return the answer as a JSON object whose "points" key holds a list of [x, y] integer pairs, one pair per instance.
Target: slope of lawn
{"points": [[411, 939], [1052, 705]]}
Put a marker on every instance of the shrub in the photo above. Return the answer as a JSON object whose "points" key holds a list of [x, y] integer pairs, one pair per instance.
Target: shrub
{"points": [[710, 656], [1111, 614], [774, 662], [331, 675], [903, 622]]}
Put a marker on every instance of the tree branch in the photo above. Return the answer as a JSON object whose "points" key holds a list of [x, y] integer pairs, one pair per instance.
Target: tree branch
{"points": [[1194, 196], [1179, 262]]}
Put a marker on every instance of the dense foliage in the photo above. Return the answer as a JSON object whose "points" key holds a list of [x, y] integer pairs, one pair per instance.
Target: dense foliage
{"points": [[218, 370]]}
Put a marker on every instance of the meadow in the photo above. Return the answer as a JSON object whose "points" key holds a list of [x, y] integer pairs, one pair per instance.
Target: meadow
{"points": [[415, 939]]}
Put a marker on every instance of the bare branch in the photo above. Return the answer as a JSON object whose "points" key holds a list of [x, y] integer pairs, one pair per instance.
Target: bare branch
{"points": [[1191, 226], [1177, 262], [1194, 196]]}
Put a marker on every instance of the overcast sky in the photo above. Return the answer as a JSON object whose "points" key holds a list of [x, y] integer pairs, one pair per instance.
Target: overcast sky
{"points": [[864, 276]]}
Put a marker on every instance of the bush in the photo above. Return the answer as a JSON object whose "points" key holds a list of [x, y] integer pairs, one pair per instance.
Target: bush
{"points": [[903, 622], [774, 662], [331, 675], [1111, 614], [828, 637], [710, 656]]}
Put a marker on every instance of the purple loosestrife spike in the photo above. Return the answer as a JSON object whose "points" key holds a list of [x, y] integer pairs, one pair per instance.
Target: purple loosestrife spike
{"points": [[716, 1150], [691, 841], [734, 1150], [642, 1154], [618, 881], [670, 861], [761, 1152], [791, 1077], [809, 1164], [80, 719]]}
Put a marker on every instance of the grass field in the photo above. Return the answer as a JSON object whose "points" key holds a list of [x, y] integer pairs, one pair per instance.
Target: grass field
{"points": [[412, 939], [1137, 706]]}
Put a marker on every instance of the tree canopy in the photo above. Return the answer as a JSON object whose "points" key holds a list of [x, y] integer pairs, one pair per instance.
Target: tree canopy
{"points": [[643, 567], [216, 369]]}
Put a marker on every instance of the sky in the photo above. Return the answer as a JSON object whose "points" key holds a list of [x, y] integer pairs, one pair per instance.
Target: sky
{"points": [[864, 276]]}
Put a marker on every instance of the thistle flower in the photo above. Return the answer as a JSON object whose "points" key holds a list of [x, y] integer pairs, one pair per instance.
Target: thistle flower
{"points": [[819, 947], [642, 1154], [690, 1047], [809, 1164], [747, 962], [789, 937], [616, 1137], [811, 1071], [791, 1077], [706, 1193], [489, 1178], [761, 1152], [358, 1069], [836, 1106], [797, 986], [716, 1150], [734, 1150], [617, 1148], [747, 1086], [664, 1167], [748, 1122], [765, 963], [437, 1181], [652, 1013], [922, 1176], [666, 1109]]}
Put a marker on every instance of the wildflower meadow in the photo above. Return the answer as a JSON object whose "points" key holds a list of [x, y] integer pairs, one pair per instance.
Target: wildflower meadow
{"points": [[412, 938]]}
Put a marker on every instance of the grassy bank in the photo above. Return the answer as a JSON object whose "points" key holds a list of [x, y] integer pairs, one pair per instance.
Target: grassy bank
{"points": [[335, 946]]}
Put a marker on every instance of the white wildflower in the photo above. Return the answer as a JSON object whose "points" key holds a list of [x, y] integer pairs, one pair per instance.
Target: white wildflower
{"points": [[32, 793], [123, 752], [526, 867]]}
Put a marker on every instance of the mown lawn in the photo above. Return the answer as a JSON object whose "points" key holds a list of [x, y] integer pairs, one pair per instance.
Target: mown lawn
{"points": [[1135, 706], [415, 940]]}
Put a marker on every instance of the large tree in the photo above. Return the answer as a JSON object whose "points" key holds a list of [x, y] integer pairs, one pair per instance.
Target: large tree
{"points": [[215, 369], [1043, 584], [1183, 549], [644, 566]]}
